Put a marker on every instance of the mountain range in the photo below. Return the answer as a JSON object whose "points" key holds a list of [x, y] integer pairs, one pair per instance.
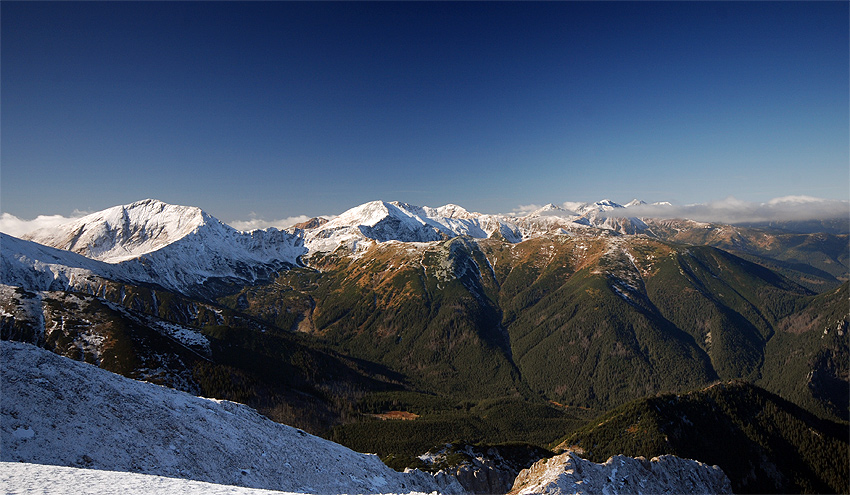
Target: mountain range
{"points": [[484, 328]]}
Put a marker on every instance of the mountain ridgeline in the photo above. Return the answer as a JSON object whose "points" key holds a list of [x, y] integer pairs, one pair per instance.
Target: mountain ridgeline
{"points": [[479, 328], [583, 321]]}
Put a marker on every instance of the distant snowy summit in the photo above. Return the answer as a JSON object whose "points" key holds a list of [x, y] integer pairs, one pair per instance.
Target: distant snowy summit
{"points": [[381, 221], [178, 248], [184, 249], [132, 231], [394, 221]]}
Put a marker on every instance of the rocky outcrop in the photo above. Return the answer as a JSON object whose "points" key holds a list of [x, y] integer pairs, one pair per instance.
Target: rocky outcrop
{"points": [[483, 469], [568, 473]]}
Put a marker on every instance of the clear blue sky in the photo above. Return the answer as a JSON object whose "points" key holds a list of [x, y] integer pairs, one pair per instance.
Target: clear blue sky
{"points": [[285, 109]]}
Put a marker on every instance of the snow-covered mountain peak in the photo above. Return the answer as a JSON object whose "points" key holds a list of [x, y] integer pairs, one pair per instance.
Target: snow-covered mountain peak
{"points": [[179, 248], [125, 232], [366, 214], [453, 211], [551, 209], [395, 221], [604, 205], [634, 202]]}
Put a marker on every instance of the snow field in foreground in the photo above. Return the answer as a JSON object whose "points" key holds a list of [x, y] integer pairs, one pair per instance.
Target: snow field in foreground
{"points": [[60, 412], [24, 478]]}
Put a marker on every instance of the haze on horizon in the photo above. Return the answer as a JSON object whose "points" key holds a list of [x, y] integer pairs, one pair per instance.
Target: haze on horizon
{"points": [[268, 112]]}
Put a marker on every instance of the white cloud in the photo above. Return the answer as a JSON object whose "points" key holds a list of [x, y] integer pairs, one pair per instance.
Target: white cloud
{"points": [[258, 223], [525, 209], [14, 226], [733, 210]]}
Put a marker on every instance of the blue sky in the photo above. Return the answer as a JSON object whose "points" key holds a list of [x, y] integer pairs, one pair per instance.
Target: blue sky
{"points": [[277, 109]]}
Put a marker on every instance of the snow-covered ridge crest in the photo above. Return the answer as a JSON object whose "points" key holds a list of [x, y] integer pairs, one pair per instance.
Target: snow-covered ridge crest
{"points": [[127, 232], [34, 266], [382, 221]]}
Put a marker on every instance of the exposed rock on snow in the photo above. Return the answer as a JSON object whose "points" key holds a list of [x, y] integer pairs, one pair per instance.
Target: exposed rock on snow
{"points": [[568, 473], [483, 471], [62, 412]]}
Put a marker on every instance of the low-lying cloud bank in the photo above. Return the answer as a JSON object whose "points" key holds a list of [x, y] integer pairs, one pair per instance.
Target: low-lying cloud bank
{"points": [[14, 226], [732, 210], [258, 223]]}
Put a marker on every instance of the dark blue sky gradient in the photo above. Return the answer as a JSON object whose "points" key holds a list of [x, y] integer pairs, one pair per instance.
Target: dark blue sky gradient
{"points": [[285, 108]]}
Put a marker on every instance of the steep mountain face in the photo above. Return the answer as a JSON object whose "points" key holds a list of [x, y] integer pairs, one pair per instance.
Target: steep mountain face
{"points": [[633, 316], [177, 248], [808, 359], [421, 310], [166, 339], [625, 316], [764, 443], [121, 233]]}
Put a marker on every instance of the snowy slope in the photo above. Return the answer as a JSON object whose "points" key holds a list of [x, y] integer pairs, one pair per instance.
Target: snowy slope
{"points": [[25, 478], [175, 247], [36, 267], [66, 413], [124, 232], [107, 431]]}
